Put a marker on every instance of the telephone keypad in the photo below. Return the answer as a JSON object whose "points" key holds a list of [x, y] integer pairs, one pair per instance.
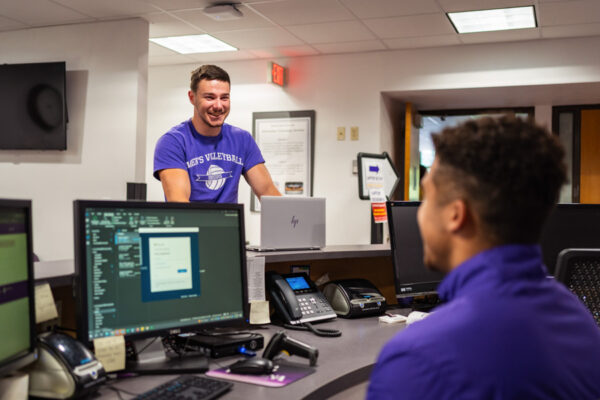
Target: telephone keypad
{"points": [[313, 304]]}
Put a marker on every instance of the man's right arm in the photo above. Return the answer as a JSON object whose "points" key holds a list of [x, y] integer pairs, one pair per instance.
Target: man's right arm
{"points": [[176, 184]]}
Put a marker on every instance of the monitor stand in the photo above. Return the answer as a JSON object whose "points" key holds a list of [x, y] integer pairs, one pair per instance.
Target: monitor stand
{"points": [[425, 303], [153, 359]]}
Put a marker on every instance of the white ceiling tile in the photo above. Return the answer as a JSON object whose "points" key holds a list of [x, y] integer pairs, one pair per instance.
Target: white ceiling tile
{"points": [[287, 51], [559, 31], [108, 8], [163, 24], [297, 51], [179, 4], [222, 56], [250, 20], [258, 38], [468, 5], [187, 4], [500, 36], [422, 41], [343, 31], [169, 60], [573, 12], [265, 53], [7, 24], [39, 12], [350, 47], [390, 8], [417, 25], [296, 12]]}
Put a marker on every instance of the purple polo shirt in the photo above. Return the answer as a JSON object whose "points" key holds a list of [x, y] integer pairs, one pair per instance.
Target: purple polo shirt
{"points": [[506, 332]]}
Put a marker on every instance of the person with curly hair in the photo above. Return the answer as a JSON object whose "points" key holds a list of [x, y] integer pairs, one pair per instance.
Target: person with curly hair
{"points": [[505, 330]]}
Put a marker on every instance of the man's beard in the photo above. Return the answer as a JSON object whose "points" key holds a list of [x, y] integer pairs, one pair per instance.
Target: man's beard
{"points": [[214, 125]]}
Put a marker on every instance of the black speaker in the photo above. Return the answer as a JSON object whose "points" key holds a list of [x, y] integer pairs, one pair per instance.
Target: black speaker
{"points": [[136, 191]]}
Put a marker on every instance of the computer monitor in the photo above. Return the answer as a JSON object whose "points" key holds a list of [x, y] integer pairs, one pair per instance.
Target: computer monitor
{"points": [[569, 226], [154, 269], [17, 307], [411, 278]]}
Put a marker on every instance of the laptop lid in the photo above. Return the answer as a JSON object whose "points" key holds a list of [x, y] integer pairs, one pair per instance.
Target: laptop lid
{"points": [[292, 223]]}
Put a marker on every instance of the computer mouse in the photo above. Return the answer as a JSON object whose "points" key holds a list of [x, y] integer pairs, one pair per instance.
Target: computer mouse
{"points": [[252, 366]]}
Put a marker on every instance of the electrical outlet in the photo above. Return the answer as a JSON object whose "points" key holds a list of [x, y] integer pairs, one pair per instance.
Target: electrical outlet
{"points": [[354, 133], [341, 133]]}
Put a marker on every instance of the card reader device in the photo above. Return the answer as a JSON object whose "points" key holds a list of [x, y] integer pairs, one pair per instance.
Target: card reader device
{"points": [[66, 369], [351, 298]]}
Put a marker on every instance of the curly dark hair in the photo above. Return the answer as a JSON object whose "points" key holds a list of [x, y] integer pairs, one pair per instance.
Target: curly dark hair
{"points": [[208, 72], [509, 169]]}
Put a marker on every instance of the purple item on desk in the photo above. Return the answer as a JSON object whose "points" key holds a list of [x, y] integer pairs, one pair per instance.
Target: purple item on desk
{"points": [[283, 374]]}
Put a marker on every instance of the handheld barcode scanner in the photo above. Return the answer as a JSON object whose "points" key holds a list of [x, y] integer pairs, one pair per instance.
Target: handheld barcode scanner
{"points": [[282, 342]]}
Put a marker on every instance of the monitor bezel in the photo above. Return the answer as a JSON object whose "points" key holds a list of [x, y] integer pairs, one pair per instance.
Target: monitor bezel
{"points": [[552, 268], [79, 207], [421, 288], [24, 358]]}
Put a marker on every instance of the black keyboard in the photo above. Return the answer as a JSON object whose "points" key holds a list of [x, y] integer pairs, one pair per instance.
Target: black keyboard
{"points": [[188, 387], [585, 283]]}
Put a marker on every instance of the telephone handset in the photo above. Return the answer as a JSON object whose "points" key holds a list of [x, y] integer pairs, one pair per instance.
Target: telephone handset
{"points": [[297, 300]]}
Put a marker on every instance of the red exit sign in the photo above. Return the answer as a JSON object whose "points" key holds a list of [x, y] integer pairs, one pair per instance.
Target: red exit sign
{"points": [[277, 75]]}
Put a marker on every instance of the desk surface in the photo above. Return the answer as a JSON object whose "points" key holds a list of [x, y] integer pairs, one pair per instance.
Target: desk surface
{"points": [[343, 362]]}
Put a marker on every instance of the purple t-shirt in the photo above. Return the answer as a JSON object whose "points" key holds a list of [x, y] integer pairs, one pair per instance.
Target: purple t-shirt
{"points": [[214, 164]]}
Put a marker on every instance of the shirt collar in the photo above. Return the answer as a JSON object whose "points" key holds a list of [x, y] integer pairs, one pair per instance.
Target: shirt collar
{"points": [[493, 266], [207, 139]]}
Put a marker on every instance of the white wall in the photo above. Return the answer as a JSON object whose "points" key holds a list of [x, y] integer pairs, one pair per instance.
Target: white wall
{"points": [[106, 99], [345, 90]]}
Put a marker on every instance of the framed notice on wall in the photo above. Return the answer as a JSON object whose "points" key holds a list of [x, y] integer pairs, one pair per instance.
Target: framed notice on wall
{"points": [[286, 140]]}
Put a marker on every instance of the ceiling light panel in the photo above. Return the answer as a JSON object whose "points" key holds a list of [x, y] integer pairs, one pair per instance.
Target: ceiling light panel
{"points": [[500, 19], [192, 44]]}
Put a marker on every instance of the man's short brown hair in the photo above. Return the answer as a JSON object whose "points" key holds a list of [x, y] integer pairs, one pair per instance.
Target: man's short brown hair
{"points": [[509, 169], [208, 72]]}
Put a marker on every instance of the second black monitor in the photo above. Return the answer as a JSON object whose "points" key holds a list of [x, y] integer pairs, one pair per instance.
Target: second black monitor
{"points": [[570, 226], [411, 278]]}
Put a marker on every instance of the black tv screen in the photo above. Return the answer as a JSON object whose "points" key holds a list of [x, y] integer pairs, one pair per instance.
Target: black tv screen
{"points": [[33, 108]]}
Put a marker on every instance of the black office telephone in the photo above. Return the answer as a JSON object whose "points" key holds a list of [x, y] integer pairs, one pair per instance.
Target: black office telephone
{"points": [[297, 300]]}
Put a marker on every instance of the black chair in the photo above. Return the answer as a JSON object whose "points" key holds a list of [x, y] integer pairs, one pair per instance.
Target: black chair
{"points": [[579, 271]]}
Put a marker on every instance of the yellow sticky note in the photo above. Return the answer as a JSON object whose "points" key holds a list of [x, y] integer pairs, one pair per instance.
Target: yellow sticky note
{"points": [[259, 312], [110, 351], [45, 309]]}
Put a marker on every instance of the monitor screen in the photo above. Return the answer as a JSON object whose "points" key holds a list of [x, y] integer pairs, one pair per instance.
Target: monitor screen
{"points": [[410, 275], [33, 108], [150, 269], [569, 226], [17, 312]]}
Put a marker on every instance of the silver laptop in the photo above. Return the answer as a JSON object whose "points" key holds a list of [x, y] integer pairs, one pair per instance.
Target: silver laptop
{"points": [[291, 223]]}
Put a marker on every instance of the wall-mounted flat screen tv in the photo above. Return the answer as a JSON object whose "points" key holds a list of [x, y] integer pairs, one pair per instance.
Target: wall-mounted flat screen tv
{"points": [[33, 108]]}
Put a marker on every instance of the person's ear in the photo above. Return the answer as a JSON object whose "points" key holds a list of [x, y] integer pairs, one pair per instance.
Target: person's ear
{"points": [[191, 96], [456, 215]]}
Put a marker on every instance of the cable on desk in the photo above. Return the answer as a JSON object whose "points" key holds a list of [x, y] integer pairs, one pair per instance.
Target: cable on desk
{"points": [[118, 391], [307, 326]]}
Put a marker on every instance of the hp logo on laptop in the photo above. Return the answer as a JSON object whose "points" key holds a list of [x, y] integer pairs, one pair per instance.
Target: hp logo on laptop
{"points": [[294, 221]]}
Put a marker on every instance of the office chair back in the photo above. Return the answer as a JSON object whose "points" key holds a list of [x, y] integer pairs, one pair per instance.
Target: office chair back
{"points": [[579, 271]]}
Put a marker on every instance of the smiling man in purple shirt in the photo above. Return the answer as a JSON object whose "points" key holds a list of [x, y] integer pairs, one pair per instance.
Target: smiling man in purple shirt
{"points": [[203, 158], [506, 331]]}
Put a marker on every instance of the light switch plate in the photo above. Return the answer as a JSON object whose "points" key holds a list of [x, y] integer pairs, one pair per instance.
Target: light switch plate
{"points": [[341, 133]]}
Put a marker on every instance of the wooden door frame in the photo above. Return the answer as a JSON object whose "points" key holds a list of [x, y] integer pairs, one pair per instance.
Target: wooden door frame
{"points": [[576, 156]]}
